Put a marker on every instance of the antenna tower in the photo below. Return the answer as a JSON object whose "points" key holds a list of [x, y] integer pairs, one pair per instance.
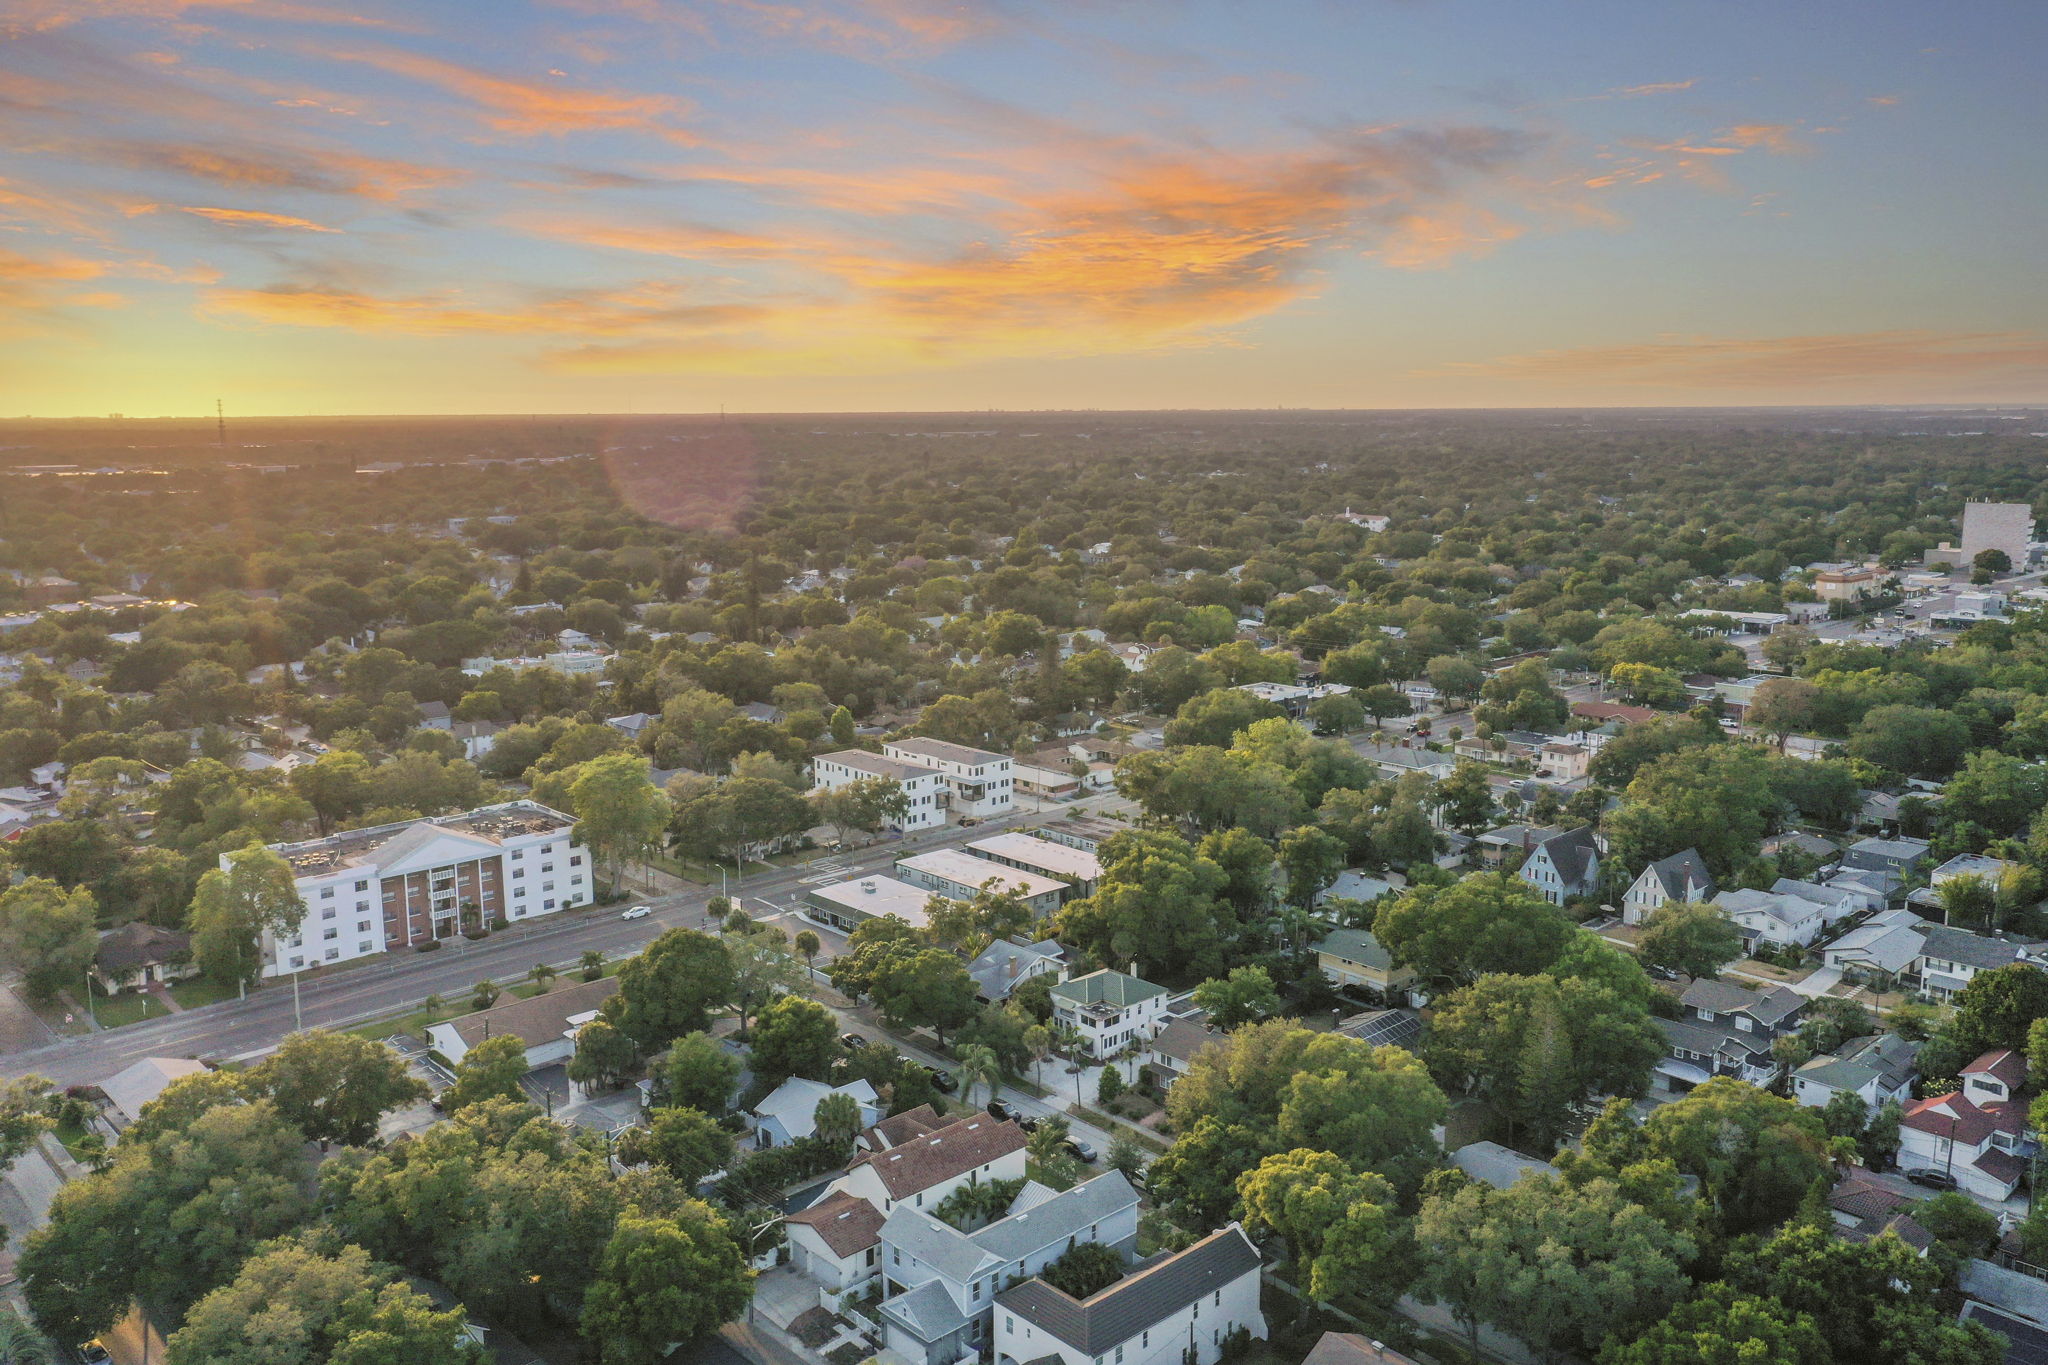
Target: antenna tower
{"points": [[220, 420]]}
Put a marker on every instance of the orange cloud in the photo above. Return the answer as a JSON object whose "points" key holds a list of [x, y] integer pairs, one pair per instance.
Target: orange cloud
{"points": [[243, 217], [42, 16], [1428, 241], [574, 313], [259, 167], [528, 108], [1780, 362], [1654, 88]]}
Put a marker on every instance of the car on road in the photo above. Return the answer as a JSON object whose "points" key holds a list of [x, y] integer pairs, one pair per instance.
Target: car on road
{"points": [[94, 1352], [942, 1080], [999, 1111], [969, 821], [1081, 1150], [1933, 1180], [852, 1041], [638, 912]]}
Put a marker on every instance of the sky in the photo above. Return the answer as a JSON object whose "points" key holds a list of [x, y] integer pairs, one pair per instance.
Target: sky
{"points": [[451, 206]]}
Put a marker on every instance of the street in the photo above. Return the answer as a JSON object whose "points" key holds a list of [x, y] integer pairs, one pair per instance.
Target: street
{"points": [[239, 1029]]}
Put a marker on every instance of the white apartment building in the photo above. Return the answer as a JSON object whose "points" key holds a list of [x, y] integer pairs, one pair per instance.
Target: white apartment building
{"points": [[924, 789], [978, 783], [394, 886]]}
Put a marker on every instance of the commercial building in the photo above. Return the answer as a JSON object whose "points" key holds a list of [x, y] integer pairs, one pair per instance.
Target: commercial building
{"points": [[377, 890], [1079, 868], [978, 783], [848, 905], [2007, 526], [959, 876]]}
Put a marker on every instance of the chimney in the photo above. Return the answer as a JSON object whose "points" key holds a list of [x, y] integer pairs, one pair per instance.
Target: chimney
{"points": [[1013, 965]]}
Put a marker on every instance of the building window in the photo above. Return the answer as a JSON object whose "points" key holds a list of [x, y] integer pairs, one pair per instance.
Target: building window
{"points": [[517, 854], [547, 905], [517, 873], [328, 913], [326, 893], [362, 926], [363, 947], [363, 886], [333, 954], [297, 963], [331, 934], [576, 861], [547, 867]]}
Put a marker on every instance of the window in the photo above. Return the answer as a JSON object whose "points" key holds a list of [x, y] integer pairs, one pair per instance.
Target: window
{"points": [[517, 873], [1009, 1323], [363, 947], [547, 886], [331, 934], [297, 963], [332, 954], [362, 926], [1119, 1355], [326, 893], [517, 854], [547, 905], [328, 913], [363, 885], [1219, 1298], [576, 861], [547, 867]]}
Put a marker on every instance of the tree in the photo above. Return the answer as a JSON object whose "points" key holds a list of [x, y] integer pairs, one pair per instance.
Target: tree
{"points": [[235, 908], [1688, 937], [334, 1087], [1084, 1269], [1455, 677], [807, 943], [492, 1069], [671, 988], [697, 1073], [1312, 860], [1451, 935], [1466, 798], [1245, 996], [543, 976], [1721, 1327], [22, 1118], [687, 1143], [592, 964], [1558, 1265], [336, 785], [1383, 702], [1110, 1085], [1307, 1197], [795, 1037], [1195, 1179], [836, 1118], [604, 1056], [49, 934], [1215, 717], [170, 1220], [295, 1301], [1754, 1153], [977, 1064], [1647, 685], [620, 813], [1781, 708], [664, 1280], [1125, 1156], [1915, 740], [1997, 1009], [865, 805], [1156, 901], [1991, 561], [761, 966], [22, 1344], [927, 987]]}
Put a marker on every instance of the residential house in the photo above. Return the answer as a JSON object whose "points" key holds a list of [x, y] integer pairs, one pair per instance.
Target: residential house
{"points": [[1079, 868], [1396, 760], [1950, 957], [1356, 884], [978, 783], [1977, 1134], [898, 1129], [633, 726], [1886, 944], [1593, 714], [847, 905], [1497, 847], [434, 715], [1177, 1310], [836, 1241], [1353, 959], [1727, 1031], [1770, 916], [926, 1169], [941, 1283], [1111, 1010], [1876, 1069], [545, 1023], [477, 737], [1835, 903], [138, 955], [1982, 866], [960, 876], [1564, 866], [1171, 1051], [1504, 746], [1896, 856], [1680, 877], [134, 1086], [1822, 851], [1564, 760], [1003, 966], [1498, 1166], [789, 1112], [924, 788], [1400, 1028], [1863, 1209], [1353, 1348]]}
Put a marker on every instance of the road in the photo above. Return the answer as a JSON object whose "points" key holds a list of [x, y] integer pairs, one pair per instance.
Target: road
{"points": [[400, 981]]}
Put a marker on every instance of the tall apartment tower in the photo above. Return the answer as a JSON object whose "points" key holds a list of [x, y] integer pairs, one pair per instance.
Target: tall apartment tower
{"points": [[2007, 526]]}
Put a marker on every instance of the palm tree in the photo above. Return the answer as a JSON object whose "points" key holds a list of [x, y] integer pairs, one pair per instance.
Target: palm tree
{"points": [[1038, 1041], [808, 944], [977, 1065], [22, 1344], [592, 963], [1074, 1044], [485, 994], [837, 1117], [543, 976]]}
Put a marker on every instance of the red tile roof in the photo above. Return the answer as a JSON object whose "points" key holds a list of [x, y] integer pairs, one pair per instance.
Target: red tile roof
{"points": [[952, 1151], [901, 1128], [844, 1223]]}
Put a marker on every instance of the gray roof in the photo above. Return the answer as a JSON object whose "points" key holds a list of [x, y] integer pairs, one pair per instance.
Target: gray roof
{"points": [[1713, 1041], [2026, 1342], [1496, 1165], [1570, 852], [1949, 944], [1884, 854], [1067, 1214], [943, 749], [1766, 1006], [939, 1245], [1883, 1057], [991, 971], [1114, 1315], [926, 1312], [1783, 908], [1356, 945], [1677, 873]]}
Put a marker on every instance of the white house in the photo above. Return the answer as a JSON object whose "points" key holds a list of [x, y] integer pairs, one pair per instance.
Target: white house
{"points": [[1564, 866], [942, 1283], [546, 1023], [926, 1169], [836, 1241], [978, 783], [1888, 943], [1178, 1307], [1110, 1009], [790, 1110], [1680, 877], [369, 891], [1003, 966], [1977, 1134], [1770, 917], [1876, 1069], [924, 789]]}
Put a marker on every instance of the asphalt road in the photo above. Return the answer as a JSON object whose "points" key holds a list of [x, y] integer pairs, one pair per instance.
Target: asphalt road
{"points": [[400, 981]]}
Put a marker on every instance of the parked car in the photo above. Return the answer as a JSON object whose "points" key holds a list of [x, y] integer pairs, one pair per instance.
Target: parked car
{"points": [[1082, 1150], [999, 1111], [969, 821], [942, 1080], [852, 1041], [1027, 1123], [93, 1352], [1933, 1180], [638, 912]]}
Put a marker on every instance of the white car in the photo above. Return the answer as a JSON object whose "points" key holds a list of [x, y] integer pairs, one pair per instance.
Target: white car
{"points": [[638, 912]]}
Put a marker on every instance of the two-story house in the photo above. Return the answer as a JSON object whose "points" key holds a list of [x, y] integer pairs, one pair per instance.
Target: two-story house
{"points": [[978, 783], [1876, 1069], [940, 1283], [1727, 1031], [1172, 1050], [1354, 959], [1003, 966], [1950, 957], [1564, 866], [1680, 877], [1977, 1134], [1771, 916], [1110, 1009], [926, 1169], [1177, 1310]]}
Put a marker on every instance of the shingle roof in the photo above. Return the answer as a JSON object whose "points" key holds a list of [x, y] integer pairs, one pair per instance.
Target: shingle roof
{"points": [[1949, 944], [1352, 1348], [901, 1128], [2007, 1065], [1356, 945], [1953, 1115], [1065, 1215], [943, 1247], [927, 1312], [1765, 1006], [953, 1150], [1883, 1057], [537, 1019], [843, 1222], [1680, 872], [941, 749], [1570, 852], [1181, 1039], [1107, 987], [136, 1085], [136, 944], [1114, 1315]]}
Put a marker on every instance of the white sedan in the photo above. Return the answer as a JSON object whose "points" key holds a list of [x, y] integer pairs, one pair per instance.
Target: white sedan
{"points": [[638, 912]]}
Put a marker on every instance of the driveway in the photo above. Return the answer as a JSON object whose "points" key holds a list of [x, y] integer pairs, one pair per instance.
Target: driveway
{"points": [[780, 1294]]}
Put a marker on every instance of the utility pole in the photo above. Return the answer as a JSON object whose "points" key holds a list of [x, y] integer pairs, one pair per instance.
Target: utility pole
{"points": [[220, 422]]}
